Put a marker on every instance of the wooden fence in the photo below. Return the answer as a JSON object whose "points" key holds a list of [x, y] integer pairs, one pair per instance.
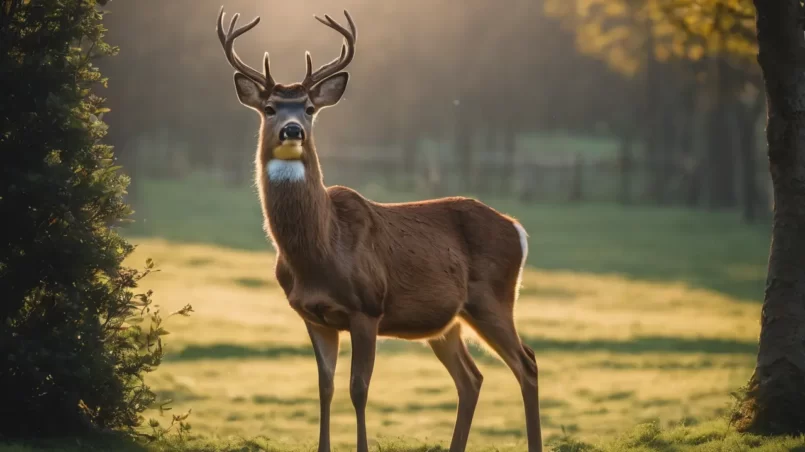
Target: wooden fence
{"points": [[558, 179], [536, 178]]}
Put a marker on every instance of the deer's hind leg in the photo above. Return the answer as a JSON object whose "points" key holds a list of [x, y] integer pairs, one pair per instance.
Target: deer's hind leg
{"points": [[452, 352], [492, 318]]}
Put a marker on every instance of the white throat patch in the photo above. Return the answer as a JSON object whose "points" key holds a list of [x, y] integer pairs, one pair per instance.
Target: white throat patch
{"points": [[285, 170]]}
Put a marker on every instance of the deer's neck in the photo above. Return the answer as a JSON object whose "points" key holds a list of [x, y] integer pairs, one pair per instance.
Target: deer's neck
{"points": [[298, 211]]}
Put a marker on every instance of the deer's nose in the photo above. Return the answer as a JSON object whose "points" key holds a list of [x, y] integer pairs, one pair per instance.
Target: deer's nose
{"points": [[292, 131]]}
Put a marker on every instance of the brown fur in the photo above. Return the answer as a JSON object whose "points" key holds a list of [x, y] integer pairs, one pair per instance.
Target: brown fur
{"points": [[294, 91], [416, 265]]}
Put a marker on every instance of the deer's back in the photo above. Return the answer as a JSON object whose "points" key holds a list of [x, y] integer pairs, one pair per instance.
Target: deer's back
{"points": [[429, 255]]}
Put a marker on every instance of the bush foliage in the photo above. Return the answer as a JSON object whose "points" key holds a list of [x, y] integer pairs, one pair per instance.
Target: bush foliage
{"points": [[75, 336]]}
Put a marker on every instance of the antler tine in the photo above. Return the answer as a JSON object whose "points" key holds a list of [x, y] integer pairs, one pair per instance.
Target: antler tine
{"points": [[228, 43], [352, 26], [308, 65], [347, 51], [267, 71]]}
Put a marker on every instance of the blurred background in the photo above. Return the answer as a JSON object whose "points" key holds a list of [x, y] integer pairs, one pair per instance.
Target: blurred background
{"points": [[626, 135], [544, 101]]}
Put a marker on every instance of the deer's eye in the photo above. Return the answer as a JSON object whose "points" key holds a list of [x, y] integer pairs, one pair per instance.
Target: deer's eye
{"points": [[270, 110], [310, 111]]}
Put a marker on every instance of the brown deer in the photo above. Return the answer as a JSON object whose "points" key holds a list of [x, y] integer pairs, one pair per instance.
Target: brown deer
{"points": [[417, 271]]}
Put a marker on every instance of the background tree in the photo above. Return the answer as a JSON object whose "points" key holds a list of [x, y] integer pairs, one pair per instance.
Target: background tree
{"points": [[417, 90], [776, 391], [74, 356], [725, 30], [695, 62], [505, 108]]}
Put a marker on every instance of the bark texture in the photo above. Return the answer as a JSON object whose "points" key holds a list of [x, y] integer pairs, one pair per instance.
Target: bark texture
{"points": [[775, 394]]}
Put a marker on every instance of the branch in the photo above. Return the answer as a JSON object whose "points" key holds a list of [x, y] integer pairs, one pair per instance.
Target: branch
{"points": [[89, 53]]}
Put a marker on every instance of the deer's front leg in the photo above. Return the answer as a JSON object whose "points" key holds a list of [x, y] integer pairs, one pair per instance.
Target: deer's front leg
{"points": [[325, 346], [363, 332]]}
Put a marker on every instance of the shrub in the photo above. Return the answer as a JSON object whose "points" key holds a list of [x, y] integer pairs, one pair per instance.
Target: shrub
{"points": [[69, 333]]}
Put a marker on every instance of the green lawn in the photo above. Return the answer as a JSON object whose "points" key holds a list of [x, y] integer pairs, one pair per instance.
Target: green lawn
{"points": [[530, 144], [644, 321], [707, 250], [708, 437]]}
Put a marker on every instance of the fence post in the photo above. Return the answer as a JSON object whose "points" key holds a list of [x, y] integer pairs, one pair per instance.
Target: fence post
{"points": [[530, 174], [625, 171], [576, 185]]}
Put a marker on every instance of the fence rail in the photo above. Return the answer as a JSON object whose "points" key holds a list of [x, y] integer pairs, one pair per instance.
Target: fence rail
{"points": [[572, 178], [531, 178]]}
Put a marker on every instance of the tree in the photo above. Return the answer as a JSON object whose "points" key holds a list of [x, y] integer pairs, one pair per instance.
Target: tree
{"points": [[726, 31], [713, 43], [74, 355], [634, 39], [776, 392], [401, 104]]}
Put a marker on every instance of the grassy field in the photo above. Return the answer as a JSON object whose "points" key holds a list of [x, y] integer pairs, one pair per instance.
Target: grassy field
{"points": [[705, 437], [612, 351], [637, 315], [643, 321], [703, 250]]}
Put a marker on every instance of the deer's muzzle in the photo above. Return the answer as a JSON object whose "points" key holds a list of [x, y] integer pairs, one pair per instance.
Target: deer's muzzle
{"points": [[292, 132], [291, 137]]}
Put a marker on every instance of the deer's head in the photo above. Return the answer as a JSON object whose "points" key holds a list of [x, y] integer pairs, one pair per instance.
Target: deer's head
{"points": [[288, 111]]}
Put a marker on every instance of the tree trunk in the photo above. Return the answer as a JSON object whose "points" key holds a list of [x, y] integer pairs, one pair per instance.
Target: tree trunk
{"points": [[667, 149], [775, 394], [652, 127], [492, 178], [625, 165], [410, 142], [748, 183], [463, 146], [509, 151], [747, 116], [577, 180], [720, 155], [688, 159]]}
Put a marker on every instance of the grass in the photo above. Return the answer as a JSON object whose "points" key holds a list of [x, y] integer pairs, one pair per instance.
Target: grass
{"points": [[613, 352], [529, 145], [643, 321], [672, 245], [649, 437]]}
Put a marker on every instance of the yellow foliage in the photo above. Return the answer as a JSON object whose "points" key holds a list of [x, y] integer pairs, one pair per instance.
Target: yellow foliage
{"points": [[615, 9], [695, 52], [662, 53], [618, 31]]}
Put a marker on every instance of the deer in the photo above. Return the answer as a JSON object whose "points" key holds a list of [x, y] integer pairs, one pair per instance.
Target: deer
{"points": [[420, 271]]}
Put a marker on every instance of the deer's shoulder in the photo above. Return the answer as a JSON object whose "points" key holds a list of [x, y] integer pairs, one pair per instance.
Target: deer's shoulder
{"points": [[353, 211], [348, 201]]}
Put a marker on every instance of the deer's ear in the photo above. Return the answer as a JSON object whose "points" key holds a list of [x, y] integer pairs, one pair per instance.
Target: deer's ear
{"points": [[248, 92], [329, 91]]}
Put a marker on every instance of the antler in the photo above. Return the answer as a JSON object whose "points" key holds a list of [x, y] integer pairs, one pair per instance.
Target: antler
{"points": [[228, 42], [338, 64]]}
